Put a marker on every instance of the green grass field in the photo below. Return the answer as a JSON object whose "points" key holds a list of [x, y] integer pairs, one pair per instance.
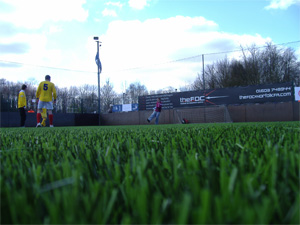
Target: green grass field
{"points": [[245, 173]]}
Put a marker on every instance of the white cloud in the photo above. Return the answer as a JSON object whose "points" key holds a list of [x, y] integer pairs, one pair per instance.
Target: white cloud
{"points": [[117, 4], [281, 4], [145, 46], [138, 4], [38, 53], [55, 29], [139, 51], [34, 14], [109, 12], [155, 40], [32, 21]]}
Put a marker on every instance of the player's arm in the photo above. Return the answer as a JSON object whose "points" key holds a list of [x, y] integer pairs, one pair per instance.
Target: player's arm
{"points": [[54, 94], [38, 92]]}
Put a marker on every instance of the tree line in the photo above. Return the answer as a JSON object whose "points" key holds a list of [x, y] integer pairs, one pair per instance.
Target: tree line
{"points": [[271, 64], [83, 99]]}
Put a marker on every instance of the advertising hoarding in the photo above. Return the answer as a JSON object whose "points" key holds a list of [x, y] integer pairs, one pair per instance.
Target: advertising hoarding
{"points": [[281, 92]]}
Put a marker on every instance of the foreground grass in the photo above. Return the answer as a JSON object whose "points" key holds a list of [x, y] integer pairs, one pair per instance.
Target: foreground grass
{"points": [[212, 173]]}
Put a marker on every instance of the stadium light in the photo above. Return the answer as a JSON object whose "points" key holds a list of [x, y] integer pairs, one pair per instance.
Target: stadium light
{"points": [[98, 62]]}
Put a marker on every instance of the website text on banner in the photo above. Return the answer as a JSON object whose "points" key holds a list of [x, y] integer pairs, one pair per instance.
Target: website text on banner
{"points": [[282, 92]]}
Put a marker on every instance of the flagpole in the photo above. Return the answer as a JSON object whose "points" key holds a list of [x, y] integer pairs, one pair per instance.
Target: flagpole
{"points": [[98, 83], [99, 70]]}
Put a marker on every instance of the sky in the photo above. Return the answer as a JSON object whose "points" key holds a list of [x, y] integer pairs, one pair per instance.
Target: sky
{"points": [[158, 43]]}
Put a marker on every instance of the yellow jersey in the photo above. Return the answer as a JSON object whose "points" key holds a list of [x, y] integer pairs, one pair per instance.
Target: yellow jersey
{"points": [[22, 99], [46, 91]]}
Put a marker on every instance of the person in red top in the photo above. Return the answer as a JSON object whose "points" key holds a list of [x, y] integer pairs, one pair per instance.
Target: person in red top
{"points": [[156, 112]]}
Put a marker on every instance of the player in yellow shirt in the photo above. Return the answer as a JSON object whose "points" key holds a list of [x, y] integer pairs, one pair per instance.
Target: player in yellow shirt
{"points": [[45, 93], [22, 104]]}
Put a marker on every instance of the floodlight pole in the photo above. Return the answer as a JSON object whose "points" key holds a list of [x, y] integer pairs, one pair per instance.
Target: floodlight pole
{"points": [[98, 65], [203, 77], [98, 84]]}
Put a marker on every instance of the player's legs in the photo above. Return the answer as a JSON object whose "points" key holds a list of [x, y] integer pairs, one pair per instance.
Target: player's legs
{"points": [[49, 107], [23, 116], [38, 117], [50, 117], [157, 117], [38, 114], [151, 116]]}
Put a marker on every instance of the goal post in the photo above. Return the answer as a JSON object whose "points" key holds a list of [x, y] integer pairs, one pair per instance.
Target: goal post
{"points": [[203, 114]]}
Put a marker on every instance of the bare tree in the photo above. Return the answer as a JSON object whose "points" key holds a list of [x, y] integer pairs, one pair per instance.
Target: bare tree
{"points": [[198, 83], [211, 77], [238, 74], [134, 91], [87, 98], [152, 92], [63, 100], [31, 96], [290, 67], [252, 65], [74, 101], [223, 73], [270, 65], [184, 88], [107, 96], [4, 93], [90, 100]]}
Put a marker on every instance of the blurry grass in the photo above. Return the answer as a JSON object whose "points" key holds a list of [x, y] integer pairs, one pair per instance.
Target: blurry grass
{"points": [[242, 173]]}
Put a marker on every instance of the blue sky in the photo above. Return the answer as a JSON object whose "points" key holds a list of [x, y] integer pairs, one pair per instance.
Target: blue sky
{"points": [[140, 34]]}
